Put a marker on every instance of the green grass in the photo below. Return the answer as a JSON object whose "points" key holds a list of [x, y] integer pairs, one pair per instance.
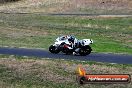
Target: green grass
{"points": [[39, 31], [31, 72]]}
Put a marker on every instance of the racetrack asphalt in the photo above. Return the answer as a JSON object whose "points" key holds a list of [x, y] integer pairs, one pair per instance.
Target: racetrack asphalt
{"points": [[99, 57]]}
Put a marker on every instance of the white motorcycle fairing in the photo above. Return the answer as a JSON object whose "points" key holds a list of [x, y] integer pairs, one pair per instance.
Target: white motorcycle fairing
{"points": [[87, 41]]}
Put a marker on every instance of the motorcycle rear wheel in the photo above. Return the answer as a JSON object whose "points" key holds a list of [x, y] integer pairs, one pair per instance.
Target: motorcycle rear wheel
{"points": [[54, 49], [85, 51]]}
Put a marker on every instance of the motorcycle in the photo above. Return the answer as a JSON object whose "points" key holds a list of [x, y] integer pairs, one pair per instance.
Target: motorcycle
{"points": [[63, 45]]}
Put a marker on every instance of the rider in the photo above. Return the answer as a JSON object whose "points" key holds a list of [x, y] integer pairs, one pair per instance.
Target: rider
{"points": [[78, 45], [72, 40], [75, 44]]}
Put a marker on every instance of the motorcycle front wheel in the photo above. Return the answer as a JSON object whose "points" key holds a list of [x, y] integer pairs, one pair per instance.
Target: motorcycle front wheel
{"points": [[85, 51]]}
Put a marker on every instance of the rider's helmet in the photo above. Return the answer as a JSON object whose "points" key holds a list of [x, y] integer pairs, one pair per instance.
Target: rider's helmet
{"points": [[71, 38]]}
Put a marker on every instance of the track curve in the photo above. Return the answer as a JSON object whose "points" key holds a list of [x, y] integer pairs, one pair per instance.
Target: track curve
{"points": [[99, 57]]}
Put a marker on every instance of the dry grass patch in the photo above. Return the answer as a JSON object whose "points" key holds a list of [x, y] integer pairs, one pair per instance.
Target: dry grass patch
{"points": [[35, 6], [20, 33], [43, 69], [72, 6], [32, 72]]}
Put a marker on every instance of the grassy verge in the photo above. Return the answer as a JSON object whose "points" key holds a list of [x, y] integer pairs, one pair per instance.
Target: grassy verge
{"points": [[30, 72], [39, 31]]}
